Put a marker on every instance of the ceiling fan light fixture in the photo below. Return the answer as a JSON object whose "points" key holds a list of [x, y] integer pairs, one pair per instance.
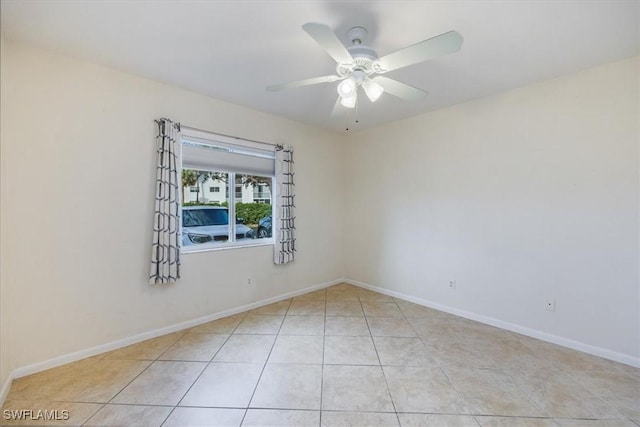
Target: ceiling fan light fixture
{"points": [[349, 101], [360, 65], [347, 88], [372, 89]]}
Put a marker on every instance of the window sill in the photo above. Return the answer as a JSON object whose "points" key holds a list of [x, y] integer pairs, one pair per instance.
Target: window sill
{"points": [[226, 246]]}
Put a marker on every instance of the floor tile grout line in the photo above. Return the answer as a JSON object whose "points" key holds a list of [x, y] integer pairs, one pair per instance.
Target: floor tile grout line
{"points": [[210, 361], [265, 363], [132, 380], [155, 405], [92, 415], [149, 365], [597, 395], [269, 408], [535, 402], [513, 381], [184, 332], [472, 414], [536, 417], [435, 359], [324, 335], [384, 376], [168, 416], [207, 364]]}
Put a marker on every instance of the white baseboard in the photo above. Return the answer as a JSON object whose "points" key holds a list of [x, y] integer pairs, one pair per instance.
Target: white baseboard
{"points": [[5, 388], [544, 336], [114, 345]]}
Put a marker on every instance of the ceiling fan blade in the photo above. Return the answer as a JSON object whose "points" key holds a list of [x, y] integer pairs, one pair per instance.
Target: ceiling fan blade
{"points": [[401, 90], [327, 39], [443, 44], [307, 82]]}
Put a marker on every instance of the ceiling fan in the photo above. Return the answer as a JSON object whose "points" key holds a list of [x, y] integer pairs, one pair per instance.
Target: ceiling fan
{"points": [[360, 66]]}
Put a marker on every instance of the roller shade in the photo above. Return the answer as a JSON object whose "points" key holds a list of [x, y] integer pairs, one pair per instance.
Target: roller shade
{"points": [[225, 156]]}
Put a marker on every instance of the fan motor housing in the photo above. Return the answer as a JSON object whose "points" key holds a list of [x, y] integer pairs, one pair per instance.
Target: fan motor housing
{"points": [[360, 51], [363, 59], [363, 56]]}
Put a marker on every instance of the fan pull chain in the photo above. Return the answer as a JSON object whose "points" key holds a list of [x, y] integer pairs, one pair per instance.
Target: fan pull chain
{"points": [[346, 119]]}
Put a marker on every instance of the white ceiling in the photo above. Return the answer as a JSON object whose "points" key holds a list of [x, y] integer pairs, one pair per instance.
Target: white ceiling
{"points": [[232, 50]]}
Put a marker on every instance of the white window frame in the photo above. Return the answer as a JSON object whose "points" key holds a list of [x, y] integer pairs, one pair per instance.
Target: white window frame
{"points": [[232, 243]]}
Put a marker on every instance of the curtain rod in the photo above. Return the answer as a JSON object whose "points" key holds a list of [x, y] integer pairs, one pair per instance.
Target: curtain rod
{"points": [[234, 137], [277, 146]]}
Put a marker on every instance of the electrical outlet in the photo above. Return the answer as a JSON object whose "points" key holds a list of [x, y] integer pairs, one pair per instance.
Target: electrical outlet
{"points": [[250, 281], [452, 284], [550, 305]]}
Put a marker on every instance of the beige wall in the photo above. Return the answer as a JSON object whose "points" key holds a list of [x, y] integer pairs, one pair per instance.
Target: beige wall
{"points": [[519, 197], [78, 171]]}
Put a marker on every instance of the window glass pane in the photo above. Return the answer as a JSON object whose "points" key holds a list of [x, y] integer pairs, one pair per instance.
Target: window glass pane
{"points": [[205, 214], [253, 205], [205, 217]]}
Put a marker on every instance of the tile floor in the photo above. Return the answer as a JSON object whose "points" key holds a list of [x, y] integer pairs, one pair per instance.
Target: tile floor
{"points": [[336, 357]]}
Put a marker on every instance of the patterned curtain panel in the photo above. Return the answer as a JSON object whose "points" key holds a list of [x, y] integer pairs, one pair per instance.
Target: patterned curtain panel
{"points": [[165, 253], [285, 234]]}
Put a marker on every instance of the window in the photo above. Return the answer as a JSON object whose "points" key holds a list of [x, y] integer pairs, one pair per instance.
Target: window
{"points": [[224, 218]]}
